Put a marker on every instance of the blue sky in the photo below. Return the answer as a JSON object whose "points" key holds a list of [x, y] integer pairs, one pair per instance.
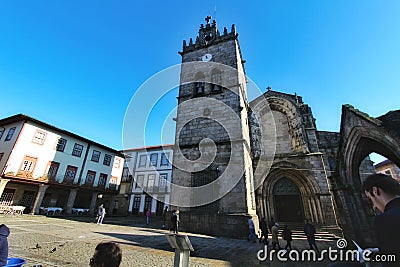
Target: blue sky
{"points": [[77, 64]]}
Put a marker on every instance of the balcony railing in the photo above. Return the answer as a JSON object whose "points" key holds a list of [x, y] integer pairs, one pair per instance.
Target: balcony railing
{"points": [[60, 179]]}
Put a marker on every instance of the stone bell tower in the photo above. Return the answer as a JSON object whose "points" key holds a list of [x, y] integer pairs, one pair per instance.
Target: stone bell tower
{"points": [[212, 136]]}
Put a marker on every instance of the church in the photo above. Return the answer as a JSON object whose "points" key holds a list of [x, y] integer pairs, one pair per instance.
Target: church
{"points": [[236, 159]]}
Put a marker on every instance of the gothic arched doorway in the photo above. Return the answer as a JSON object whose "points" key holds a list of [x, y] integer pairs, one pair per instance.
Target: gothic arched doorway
{"points": [[287, 201]]}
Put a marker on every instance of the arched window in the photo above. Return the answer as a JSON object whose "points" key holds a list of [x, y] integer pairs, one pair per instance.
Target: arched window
{"points": [[199, 85], [216, 80]]}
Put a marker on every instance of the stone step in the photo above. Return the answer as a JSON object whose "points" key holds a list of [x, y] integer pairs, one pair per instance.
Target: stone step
{"points": [[323, 232]]}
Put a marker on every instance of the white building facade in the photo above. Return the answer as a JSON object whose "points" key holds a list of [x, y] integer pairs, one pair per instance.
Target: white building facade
{"points": [[149, 171], [44, 166]]}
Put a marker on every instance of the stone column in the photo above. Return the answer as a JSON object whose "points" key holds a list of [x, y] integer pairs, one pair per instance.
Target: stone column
{"points": [[3, 183], [312, 218], [71, 201], [316, 217], [93, 203], [39, 198], [320, 211]]}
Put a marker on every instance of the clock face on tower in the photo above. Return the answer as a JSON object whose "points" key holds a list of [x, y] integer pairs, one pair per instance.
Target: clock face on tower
{"points": [[206, 57]]}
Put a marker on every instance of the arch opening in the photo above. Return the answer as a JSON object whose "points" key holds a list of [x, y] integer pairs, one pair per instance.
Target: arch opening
{"points": [[287, 201]]}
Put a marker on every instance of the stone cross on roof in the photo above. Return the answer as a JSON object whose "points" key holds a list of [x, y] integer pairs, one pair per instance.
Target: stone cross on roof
{"points": [[208, 18]]}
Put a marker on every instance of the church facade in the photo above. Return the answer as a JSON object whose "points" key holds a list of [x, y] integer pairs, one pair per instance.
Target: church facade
{"points": [[284, 167]]}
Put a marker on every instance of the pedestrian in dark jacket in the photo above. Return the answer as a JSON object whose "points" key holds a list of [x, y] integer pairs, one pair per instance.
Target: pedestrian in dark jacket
{"points": [[271, 224], [384, 192], [264, 231], [4, 232], [309, 230], [287, 236], [175, 221]]}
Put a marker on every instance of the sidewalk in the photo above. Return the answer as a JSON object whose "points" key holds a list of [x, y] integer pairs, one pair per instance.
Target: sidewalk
{"points": [[73, 239]]}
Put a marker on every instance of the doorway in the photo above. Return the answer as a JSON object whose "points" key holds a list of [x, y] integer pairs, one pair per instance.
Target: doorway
{"points": [[287, 201], [136, 205]]}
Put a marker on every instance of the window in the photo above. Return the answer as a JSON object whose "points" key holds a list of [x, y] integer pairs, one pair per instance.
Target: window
{"points": [[52, 170], [139, 181], [10, 134], [164, 159], [136, 202], [70, 173], [2, 132], [142, 161], [199, 84], [150, 182], [216, 80], [153, 159], [102, 180], [7, 196], [215, 87], [128, 157], [117, 163], [126, 175], [77, 151], [39, 137], [28, 164], [163, 182], [96, 156], [199, 88], [27, 198], [90, 177], [107, 160], [147, 203], [46, 200], [61, 144]]}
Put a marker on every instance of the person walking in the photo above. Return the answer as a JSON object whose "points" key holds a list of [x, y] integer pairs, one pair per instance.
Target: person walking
{"points": [[274, 234], [309, 230], [287, 236], [264, 231], [175, 221], [252, 231], [148, 214], [271, 224], [384, 192], [101, 212]]}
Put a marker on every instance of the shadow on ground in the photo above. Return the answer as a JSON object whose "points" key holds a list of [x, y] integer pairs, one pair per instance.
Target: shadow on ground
{"points": [[205, 247]]}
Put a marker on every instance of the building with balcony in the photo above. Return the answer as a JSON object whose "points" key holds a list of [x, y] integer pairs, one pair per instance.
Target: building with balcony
{"points": [[146, 180], [43, 166]]}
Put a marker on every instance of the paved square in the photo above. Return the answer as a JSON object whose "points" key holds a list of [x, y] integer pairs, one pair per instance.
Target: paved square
{"points": [[70, 241]]}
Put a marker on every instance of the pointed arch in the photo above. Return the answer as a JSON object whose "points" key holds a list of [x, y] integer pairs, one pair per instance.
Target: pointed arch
{"points": [[360, 135], [309, 191]]}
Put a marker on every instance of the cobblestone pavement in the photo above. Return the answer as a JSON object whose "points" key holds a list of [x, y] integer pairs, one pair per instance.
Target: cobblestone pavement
{"points": [[70, 241]]}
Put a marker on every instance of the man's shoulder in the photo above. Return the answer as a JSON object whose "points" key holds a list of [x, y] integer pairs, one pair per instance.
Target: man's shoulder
{"points": [[393, 214], [388, 220]]}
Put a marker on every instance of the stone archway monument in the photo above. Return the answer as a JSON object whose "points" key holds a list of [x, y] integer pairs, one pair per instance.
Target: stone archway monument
{"points": [[361, 135]]}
